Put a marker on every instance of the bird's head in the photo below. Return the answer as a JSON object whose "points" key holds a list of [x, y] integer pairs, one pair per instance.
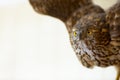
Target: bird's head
{"points": [[92, 29]]}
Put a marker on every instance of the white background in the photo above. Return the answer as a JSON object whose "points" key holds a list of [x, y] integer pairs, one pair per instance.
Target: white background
{"points": [[37, 47]]}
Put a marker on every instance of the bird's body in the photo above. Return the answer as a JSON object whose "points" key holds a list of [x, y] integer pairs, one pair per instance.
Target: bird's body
{"points": [[94, 33], [92, 42]]}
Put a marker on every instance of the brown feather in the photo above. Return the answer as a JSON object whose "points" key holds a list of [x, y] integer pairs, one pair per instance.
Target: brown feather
{"points": [[61, 9]]}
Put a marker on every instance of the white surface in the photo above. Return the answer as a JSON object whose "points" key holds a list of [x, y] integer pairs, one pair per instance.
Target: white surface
{"points": [[36, 47], [11, 2]]}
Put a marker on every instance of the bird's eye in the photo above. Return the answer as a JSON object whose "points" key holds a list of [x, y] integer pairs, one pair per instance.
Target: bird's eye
{"points": [[89, 32], [75, 33]]}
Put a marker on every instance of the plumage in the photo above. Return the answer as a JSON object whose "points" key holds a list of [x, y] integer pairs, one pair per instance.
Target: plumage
{"points": [[92, 44], [61, 9], [80, 12], [94, 33], [113, 19]]}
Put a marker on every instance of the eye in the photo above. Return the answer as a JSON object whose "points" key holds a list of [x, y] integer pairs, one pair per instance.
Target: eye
{"points": [[75, 33], [89, 32]]}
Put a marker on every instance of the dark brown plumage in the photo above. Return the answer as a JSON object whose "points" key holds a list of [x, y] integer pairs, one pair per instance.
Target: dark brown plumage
{"points": [[61, 9], [94, 33], [80, 12], [113, 19], [91, 40]]}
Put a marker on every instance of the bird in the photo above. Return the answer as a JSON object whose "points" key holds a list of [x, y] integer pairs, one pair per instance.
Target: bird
{"points": [[93, 32], [92, 43]]}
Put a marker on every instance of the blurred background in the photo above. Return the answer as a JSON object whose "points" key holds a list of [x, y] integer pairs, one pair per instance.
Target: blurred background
{"points": [[37, 47]]}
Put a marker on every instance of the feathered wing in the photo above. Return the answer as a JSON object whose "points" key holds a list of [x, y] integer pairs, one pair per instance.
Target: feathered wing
{"points": [[61, 9], [69, 11], [113, 19]]}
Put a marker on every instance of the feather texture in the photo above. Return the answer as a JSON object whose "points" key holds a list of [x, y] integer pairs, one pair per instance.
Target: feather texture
{"points": [[94, 33]]}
